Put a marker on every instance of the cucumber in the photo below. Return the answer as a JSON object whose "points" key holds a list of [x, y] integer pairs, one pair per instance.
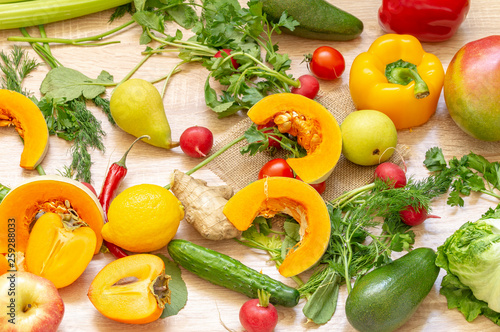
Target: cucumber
{"points": [[318, 19], [385, 298], [225, 271]]}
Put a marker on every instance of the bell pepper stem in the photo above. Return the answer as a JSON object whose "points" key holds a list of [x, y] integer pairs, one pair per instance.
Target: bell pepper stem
{"points": [[421, 90]]}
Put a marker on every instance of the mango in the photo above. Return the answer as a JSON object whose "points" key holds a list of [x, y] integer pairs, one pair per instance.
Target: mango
{"points": [[472, 88], [137, 108]]}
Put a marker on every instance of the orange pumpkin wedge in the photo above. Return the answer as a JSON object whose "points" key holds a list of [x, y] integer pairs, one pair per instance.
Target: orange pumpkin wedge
{"points": [[59, 248], [272, 195], [132, 289], [19, 111], [47, 193], [316, 129]]}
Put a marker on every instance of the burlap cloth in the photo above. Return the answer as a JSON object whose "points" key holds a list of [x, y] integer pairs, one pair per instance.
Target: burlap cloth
{"points": [[238, 170]]}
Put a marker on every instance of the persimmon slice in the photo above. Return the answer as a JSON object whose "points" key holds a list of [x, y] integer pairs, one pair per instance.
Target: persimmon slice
{"points": [[132, 289]]}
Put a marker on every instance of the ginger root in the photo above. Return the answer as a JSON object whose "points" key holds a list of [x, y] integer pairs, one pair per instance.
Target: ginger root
{"points": [[203, 206]]}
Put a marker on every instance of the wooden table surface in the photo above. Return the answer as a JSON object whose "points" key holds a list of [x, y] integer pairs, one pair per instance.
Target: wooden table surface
{"points": [[209, 305]]}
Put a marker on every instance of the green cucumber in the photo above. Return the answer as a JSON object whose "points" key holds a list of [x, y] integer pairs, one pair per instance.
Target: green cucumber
{"points": [[317, 19], [228, 272], [385, 298]]}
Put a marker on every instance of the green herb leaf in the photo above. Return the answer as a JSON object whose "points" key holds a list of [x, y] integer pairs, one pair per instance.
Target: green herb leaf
{"points": [[16, 67], [183, 15], [434, 160], [69, 84], [178, 298], [149, 20]]}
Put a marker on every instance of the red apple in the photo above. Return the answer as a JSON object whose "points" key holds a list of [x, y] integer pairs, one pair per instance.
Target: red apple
{"points": [[472, 88], [29, 303]]}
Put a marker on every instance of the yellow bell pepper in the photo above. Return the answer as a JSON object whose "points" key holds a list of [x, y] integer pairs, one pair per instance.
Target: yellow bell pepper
{"points": [[397, 77]]}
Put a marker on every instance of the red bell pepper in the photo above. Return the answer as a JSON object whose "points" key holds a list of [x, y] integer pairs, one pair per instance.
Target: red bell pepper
{"points": [[427, 20]]}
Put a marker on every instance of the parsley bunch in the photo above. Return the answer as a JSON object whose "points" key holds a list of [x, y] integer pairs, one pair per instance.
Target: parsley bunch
{"points": [[470, 173]]}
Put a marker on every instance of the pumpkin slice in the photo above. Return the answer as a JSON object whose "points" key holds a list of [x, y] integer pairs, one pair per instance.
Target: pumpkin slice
{"points": [[48, 193], [19, 111], [316, 129], [272, 195]]}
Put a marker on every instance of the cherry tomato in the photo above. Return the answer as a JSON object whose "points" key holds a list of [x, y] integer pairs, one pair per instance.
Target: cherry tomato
{"points": [[272, 142], [326, 63], [309, 86], [227, 52], [276, 167], [320, 187]]}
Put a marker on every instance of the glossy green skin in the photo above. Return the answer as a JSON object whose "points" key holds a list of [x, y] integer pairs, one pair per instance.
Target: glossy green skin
{"points": [[228, 272], [318, 19], [472, 88], [385, 298]]}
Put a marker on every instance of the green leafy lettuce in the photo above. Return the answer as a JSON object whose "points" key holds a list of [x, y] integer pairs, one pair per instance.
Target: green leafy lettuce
{"points": [[471, 258]]}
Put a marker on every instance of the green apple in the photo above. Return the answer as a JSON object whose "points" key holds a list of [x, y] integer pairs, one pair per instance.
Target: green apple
{"points": [[29, 303], [369, 137], [472, 88]]}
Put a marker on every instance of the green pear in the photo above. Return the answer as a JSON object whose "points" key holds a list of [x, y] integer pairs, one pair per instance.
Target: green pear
{"points": [[368, 137], [137, 108]]}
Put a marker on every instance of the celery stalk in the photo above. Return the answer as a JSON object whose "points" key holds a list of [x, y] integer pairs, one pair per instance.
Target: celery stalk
{"points": [[36, 12]]}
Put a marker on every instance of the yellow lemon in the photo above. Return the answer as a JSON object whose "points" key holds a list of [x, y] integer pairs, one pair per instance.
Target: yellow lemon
{"points": [[143, 218]]}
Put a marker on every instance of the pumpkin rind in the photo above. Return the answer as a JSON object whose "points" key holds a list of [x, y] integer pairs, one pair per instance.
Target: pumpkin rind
{"points": [[19, 111], [22, 202], [316, 129], [272, 195]]}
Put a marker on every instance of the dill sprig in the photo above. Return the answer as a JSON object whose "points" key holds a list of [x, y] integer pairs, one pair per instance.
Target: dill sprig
{"points": [[16, 67]]}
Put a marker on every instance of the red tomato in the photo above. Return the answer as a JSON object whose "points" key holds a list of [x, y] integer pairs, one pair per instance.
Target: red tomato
{"points": [[276, 167], [227, 52], [272, 142], [320, 187], [327, 63]]}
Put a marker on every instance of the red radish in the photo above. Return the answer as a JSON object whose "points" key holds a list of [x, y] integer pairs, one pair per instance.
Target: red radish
{"points": [[272, 142], [320, 187], [392, 172], [309, 86], [91, 187], [196, 141], [226, 53], [413, 217], [258, 315]]}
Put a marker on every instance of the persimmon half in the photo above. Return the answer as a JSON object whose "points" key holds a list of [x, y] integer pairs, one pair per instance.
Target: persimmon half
{"points": [[132, 289], [59, 248]]}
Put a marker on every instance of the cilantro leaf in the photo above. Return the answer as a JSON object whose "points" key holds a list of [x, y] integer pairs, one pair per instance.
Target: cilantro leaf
{"points": [[434, 160]]}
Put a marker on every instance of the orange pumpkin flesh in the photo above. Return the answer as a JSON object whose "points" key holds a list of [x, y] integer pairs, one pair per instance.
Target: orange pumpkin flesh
{"points": [[272, 195], [133, 289], [19, 111], [4, 265], [58, 252], [316, 129], [47, 193]]}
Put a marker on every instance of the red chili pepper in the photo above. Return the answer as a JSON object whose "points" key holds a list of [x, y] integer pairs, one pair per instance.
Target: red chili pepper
{"points": [[427, 20], [116, 173]]}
